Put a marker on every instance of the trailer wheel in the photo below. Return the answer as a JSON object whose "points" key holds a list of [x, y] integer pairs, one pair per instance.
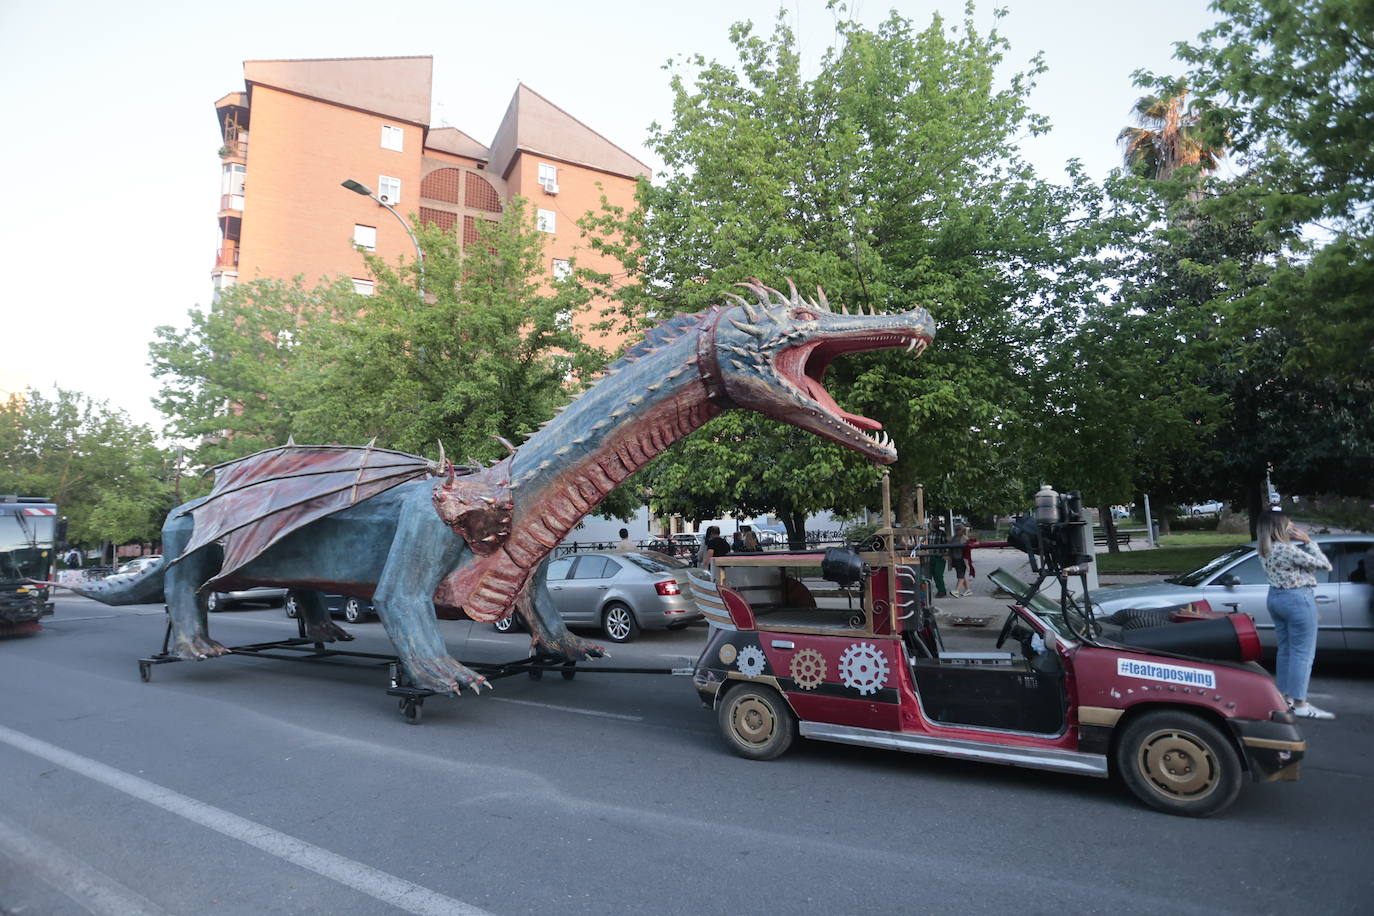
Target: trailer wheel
{"points": [[756, 722], [536, 674], [412, 710], [145, 672], [569, 670], [1179, 763]]}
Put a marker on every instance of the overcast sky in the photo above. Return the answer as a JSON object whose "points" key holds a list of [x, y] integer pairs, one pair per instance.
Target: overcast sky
{"points": [[109, 219]]}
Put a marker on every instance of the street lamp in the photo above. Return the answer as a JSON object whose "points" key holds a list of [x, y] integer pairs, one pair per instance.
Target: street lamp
{"points": [[357, 187]]}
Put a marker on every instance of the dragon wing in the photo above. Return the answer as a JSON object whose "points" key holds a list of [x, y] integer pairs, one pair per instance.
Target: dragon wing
{"points": [[260, 499]]}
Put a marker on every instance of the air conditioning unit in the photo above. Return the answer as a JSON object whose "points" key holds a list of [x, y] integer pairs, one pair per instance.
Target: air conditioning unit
{"points": [[385, 198], [550, 187]]}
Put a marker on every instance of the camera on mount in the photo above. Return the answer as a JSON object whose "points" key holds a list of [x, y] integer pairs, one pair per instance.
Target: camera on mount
{"points": [[1055, 534]]}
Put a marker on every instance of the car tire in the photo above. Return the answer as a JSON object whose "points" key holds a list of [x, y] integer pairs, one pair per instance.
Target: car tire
{"points": [[756, 722], [509, 624], [292, 605], [353, 610], [618, 622], [213, 602], [1179, 763]]}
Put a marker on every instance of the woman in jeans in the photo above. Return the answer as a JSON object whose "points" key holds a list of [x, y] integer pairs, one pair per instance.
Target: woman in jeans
{"points": [[1290, 558]]}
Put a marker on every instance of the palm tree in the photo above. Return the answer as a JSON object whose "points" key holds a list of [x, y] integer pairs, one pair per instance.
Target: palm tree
{"points": [[1169, 137]]}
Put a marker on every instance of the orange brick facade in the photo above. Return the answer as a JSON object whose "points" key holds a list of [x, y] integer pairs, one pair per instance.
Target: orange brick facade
{"points": [[303, 127]]}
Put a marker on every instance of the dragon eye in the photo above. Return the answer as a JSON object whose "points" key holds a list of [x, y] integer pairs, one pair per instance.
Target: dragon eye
{"points": [[804, 315]]}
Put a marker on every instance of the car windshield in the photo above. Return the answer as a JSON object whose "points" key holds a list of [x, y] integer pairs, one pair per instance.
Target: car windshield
{"points": [[1201, 574], [654, 562], [1040, 604]]}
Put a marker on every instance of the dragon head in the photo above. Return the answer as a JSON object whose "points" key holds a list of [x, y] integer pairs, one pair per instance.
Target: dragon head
{"points": [[771, 357]]}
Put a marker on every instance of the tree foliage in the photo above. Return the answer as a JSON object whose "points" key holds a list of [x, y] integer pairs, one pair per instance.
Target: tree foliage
{"points": [[891, 178], [488, 351], [104, 471]]}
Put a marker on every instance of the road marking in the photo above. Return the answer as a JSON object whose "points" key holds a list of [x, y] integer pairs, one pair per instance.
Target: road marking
{"points": [[389, 889], [90, 889], [580, 712]]}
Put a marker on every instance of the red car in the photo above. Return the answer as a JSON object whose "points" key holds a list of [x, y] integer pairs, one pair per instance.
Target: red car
{"points": [[1174, 702]]}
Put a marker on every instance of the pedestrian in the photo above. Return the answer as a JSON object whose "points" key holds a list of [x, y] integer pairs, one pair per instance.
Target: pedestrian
{"points": [[751, 540], [72, 558], [935, 542], [957, 562], [715, 546], [625, 542], [737, 542], [1289, 559]]}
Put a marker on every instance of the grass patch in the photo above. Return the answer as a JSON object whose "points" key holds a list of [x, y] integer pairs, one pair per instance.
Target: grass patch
{"points": [[1166, 561], [1203, 539]]}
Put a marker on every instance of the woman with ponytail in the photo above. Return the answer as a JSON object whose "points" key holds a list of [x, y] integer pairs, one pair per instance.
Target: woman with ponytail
{"points": [[1290, 558]]}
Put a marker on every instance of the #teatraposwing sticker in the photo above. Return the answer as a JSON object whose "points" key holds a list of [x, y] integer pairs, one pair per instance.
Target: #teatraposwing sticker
{"points": [[1169, 674]]}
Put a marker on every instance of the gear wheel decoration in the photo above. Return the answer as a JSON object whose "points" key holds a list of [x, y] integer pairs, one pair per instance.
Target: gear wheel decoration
{"points": [[808, 669], [864, 668], [751, 661]]}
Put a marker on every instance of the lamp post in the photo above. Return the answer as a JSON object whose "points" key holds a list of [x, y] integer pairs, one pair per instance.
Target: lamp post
{"points": [[357, 187]]}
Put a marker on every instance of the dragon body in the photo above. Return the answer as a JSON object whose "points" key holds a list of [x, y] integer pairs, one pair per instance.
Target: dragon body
{"points": [[479, 540]]}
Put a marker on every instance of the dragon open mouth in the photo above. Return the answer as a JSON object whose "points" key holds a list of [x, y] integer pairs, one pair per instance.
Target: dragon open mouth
{"points": [[804, 367]]}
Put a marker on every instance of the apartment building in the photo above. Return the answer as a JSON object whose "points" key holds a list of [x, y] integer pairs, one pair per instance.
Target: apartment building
{"points": [[301, 128]]}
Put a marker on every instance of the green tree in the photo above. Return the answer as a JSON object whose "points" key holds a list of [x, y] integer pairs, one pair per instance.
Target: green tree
{"points": [[488, 351], [891, 178], [1292, 84], [104, 471]]}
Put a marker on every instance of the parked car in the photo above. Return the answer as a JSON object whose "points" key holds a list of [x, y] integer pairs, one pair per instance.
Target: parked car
{"points": [[222, 601], [1207, 508], [1234, 582], [771, 537], [686, 546], [350, 609], [136, 564], [622, 593]]}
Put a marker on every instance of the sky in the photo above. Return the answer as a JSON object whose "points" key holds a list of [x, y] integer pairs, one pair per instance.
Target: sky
{"points": [[109, 220]]}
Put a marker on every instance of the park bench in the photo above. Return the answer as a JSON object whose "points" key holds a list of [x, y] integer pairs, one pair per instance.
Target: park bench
{"points": [[1123, 538]]}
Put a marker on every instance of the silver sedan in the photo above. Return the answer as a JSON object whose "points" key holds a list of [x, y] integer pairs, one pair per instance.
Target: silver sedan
{"points": [[1235, 583], [622, 593]]}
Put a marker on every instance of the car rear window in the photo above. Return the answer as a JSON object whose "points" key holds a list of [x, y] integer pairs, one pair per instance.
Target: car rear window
{"points": [[653, 562]]}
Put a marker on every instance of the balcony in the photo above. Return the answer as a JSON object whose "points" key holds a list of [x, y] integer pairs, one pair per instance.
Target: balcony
{"points": [[227, 257], [231, 202]]}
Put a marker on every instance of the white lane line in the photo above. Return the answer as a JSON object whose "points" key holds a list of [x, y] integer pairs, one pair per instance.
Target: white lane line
{"points": [[580, 712], [402, 894], [92, 890]]}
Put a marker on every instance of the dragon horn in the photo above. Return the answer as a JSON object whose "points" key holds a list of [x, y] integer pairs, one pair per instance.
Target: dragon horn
{"points": [[792, 288], [509, 448], [825, 303], [442, 459], [452, 476]]}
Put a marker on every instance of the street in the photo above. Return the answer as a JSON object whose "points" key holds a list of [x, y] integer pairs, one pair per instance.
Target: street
{"points": [[244, 785]]}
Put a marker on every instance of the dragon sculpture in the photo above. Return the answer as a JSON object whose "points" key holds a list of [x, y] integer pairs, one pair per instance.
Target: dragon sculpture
{"points": [[408, 534]]}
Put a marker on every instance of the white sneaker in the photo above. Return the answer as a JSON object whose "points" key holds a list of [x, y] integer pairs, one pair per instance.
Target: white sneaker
{"points": [[1308, 711]]}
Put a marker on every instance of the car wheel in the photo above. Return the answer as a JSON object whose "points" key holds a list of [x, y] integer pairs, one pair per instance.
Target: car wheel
{"points": [[353, 610], [1179, 763], [756, 722], [509, 624], [618, 621], [213, 602], [292, 605]]}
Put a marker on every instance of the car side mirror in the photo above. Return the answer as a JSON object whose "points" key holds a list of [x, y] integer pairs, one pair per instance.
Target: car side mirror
{"points": [[1228, 580]]}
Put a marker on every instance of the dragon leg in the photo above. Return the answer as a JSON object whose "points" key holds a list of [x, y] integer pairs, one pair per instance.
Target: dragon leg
{"points": [[185, 599], [548, 632], [423, 550], [318, 624]]}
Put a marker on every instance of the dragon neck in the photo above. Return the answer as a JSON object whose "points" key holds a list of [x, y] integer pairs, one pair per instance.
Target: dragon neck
{"points": [[618, 425]]}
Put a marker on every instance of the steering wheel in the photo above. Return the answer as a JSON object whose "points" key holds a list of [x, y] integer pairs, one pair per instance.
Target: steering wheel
{"points": [[1007, 628]]}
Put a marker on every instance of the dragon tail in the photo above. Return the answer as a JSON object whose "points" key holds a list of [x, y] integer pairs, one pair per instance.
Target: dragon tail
{"points": [[142, 587]]}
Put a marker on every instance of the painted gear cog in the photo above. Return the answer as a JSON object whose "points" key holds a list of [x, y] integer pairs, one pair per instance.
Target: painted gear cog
{"points": [[808, 669], [863, 667], [751, 661]]}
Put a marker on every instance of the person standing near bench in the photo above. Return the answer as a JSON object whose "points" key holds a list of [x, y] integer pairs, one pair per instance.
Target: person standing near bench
{"points": [[958, 562]]}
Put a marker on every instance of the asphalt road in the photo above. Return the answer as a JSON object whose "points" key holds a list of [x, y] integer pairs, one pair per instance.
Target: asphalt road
{"points": [[244, 785]]}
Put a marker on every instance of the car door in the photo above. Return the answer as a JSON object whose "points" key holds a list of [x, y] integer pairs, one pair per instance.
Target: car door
{"points": [[1243, 588], [558, 577], [1353, 568], [582, 591]]}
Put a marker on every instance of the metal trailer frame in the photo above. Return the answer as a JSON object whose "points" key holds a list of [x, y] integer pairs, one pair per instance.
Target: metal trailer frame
{"points": [[411, 698]]}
